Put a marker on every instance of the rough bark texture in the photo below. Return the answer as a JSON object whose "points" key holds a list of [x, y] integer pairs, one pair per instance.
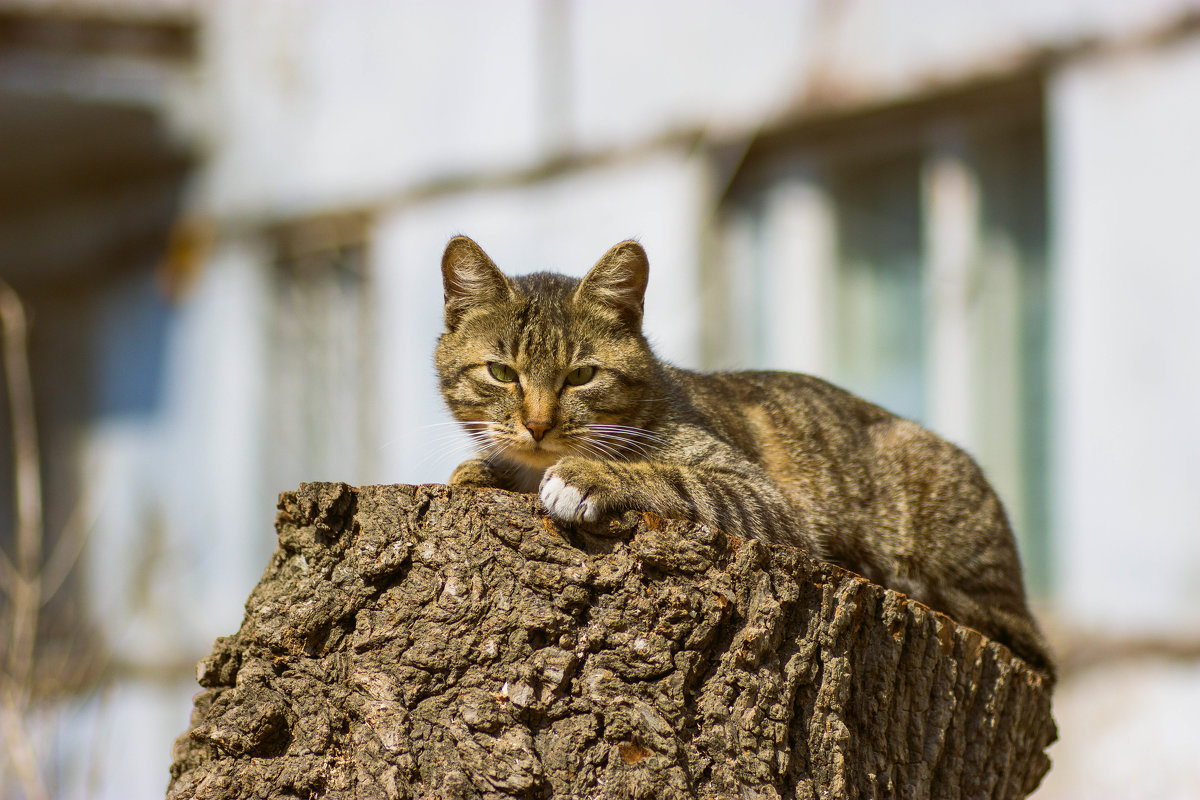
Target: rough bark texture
{"points": [[429, 642]]}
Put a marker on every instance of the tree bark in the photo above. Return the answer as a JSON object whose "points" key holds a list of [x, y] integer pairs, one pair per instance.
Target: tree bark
{"points": [[434, 642]]}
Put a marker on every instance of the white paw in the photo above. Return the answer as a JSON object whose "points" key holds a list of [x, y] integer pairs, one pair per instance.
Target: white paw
{"points": [[566, 503]]}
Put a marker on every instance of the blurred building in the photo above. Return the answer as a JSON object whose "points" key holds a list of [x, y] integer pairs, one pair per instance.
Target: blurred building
{"points": [[225, 221]]}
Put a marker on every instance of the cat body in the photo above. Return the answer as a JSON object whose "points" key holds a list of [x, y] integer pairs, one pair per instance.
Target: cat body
{"points": [[553, 379]]}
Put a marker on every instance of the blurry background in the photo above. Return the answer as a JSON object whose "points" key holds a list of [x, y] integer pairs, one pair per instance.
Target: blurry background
{"points": [[223, 222]]}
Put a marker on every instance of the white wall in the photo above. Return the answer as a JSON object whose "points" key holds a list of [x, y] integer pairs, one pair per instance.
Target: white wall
{"points": [[319, 104], [1124, 129], [640, 69], [311, 104], [184, 522]]}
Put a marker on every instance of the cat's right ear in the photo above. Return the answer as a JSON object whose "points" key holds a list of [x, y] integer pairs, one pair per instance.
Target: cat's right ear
{"points": [[469, 279], [619, 281]]}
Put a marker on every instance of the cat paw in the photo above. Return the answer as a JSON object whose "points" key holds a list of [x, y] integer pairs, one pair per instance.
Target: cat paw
{"points": [[476, 474], [567, 503]]}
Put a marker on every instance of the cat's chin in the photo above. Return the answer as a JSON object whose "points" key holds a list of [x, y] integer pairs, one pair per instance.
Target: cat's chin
{"points": [[539, 459]]}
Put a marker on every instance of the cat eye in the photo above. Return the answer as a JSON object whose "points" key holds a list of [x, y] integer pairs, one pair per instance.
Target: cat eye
{"points": [[502, 372], [580, 375]]}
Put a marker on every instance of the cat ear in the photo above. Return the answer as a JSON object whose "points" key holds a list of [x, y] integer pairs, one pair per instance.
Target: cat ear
{"points": [[469, 279], [619, 281]]}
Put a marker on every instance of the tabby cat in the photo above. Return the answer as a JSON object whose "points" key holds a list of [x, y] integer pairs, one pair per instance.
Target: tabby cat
{"points": [[555, 383]]}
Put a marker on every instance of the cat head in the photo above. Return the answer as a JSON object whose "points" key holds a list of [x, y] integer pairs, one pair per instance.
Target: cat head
{"points": [[542, 366]]}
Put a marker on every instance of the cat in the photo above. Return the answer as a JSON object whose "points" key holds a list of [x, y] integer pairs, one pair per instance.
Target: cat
{"points": [[554, 382]]}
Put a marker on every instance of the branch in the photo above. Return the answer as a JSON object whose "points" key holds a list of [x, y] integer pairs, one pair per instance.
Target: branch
{"points": [[21, 576]]}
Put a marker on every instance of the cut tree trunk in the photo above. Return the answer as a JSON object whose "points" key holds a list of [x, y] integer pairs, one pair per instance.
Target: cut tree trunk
{"points": [[433, 642]]}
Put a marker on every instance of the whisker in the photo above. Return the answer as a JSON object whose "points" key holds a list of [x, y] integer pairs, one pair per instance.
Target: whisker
{"points": [[629, 448], [460, 424], [455, 428], [638, 440], [443, 443], [617, 443], [620, 447], [435, 459], [629, 429], [407, 438], [449, 442], [628, 437], [606, 451], [627, 433], [590, 449]]}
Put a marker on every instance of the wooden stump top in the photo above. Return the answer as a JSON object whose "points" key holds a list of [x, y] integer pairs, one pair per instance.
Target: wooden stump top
{"points": [[433, 642]]}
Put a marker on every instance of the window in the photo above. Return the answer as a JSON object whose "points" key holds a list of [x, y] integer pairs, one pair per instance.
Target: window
{"points": [[879, 341], [902, 254], [319, 350]]}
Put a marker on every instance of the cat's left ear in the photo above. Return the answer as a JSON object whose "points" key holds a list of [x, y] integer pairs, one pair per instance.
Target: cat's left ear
{"points": [[469, 279], [619, 281]]}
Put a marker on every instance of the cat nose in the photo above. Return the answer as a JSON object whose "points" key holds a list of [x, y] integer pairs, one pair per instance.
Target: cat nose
{"points": [[538, 429]]}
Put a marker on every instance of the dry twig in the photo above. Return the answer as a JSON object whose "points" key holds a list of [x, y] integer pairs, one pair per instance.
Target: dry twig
{"points": [[21, 576]]}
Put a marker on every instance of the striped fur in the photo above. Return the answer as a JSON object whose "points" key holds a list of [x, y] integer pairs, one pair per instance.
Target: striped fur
{"points": [[776, 456]]}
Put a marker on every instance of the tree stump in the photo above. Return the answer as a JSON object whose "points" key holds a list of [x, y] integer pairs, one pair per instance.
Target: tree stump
{"points": [[435, 642]]}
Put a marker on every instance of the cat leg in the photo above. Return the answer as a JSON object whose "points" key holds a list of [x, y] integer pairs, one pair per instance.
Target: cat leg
{"points": [[477, 473], [1002, 617], [743, 503]]}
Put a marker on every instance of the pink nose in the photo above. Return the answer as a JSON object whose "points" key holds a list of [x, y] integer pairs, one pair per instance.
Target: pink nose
{"points": [[538, 429]]}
